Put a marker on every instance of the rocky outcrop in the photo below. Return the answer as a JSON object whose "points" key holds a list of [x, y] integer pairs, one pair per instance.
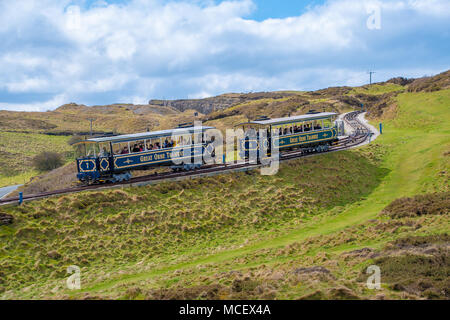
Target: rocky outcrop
{"points": [[209, 105]]}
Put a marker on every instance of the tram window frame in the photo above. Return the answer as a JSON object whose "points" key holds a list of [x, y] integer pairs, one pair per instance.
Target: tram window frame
{"points": [[169, 140], [153, 142], [92, 150], [310, 124], [106, 146], [136, 142], [327, 123], [121, 146], [315, 123]]}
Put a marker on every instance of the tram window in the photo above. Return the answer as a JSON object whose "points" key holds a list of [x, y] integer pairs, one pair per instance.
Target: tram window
{"points": [[327, 123], [167, 142], [317, 125], [92, 150], [182, 140], [154, 144], [137, 146], [105, 149], [120, 148], [185, 140], [308, 126]]}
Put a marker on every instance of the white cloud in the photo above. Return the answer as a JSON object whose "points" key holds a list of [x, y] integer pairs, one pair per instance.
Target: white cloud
{"points": [[147, 49], [36, 106], [28, 85]]}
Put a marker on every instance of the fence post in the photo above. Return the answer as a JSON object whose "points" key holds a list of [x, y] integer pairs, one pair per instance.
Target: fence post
{"points": [[381, 128], [20, 198]]}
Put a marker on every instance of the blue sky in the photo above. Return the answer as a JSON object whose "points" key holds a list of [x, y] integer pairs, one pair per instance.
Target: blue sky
{"points": [[101, 52], [264, 9]]}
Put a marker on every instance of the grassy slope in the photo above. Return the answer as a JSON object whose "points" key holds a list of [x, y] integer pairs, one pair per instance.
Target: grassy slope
{"points": [[18, 149], [377, 89], [164, 243], [30, 126]]}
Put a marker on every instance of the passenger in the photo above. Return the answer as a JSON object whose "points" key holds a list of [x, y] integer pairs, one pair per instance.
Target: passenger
{"points": [[295, 129], [280, 132], [285, 131], [150, 147], [141, 147], [104, 153], [135, 148], [158, 146], [166, 144], [125, 150]]}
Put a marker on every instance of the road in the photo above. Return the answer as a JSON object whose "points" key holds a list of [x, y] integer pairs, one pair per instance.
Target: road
{"points": [[7, 190]]}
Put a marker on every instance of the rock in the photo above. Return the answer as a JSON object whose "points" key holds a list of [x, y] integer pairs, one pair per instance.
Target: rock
{"points": [[6, 219]]}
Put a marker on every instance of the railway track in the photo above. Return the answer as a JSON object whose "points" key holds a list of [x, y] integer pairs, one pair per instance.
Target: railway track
{"points": [[359, 135]]}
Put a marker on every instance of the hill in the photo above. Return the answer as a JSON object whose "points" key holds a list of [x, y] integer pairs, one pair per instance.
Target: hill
{"points": [[223, 112], [309, 232]]}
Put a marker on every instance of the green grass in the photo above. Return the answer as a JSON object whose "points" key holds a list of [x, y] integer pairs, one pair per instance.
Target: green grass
{"points": [[181, 238], [20, 178], [18, 149], [377, 89]]}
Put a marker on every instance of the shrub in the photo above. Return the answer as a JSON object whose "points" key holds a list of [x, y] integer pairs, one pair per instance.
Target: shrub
{"points": [[434, 203], [74, 139], [46, 161]]}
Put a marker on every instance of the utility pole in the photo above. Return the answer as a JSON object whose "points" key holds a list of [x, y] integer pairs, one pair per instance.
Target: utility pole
{"points": [[370, 73], [91, 120]]}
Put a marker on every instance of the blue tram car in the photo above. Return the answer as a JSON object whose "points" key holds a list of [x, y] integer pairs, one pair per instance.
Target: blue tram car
{"points": [[111, 159], [312, 132]]}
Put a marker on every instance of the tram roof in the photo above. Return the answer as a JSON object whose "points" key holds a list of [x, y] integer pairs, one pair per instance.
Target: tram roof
{"points": [[150, 135], [304, 117]]}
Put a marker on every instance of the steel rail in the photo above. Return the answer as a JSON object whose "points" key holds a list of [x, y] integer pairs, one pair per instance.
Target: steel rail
{"points": [[359, 136]]}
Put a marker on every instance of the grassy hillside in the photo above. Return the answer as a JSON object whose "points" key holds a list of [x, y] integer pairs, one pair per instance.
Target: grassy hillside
{"points": [[34, 132], [308, 232], [18, 149], [224, 111], [74, 119]]}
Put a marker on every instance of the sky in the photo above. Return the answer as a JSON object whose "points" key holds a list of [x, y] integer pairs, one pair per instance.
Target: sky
{"points": [[97, 52]]}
